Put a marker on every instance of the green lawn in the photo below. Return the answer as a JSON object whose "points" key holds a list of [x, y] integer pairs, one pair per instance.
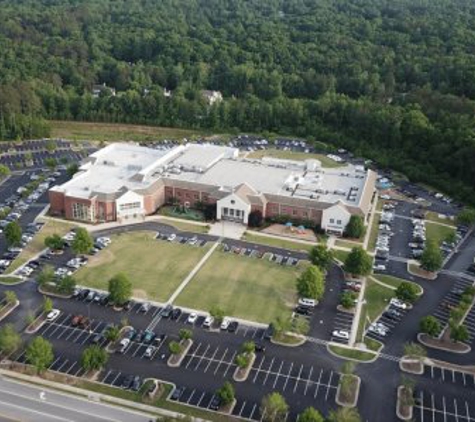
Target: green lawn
{"points": [[291, 155], [341, 255], [394, 281], [112, 132], [244, 287], [186, 226], [38, 243], [433, 216], [278, 243], [346, 353], [10, 280], [437, 232], [155, 267], [377, 298], [373, 236], [347, 244]]}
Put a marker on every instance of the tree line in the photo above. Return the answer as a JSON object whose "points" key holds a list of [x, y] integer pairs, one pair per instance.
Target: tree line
{"points": [[388, 80]]}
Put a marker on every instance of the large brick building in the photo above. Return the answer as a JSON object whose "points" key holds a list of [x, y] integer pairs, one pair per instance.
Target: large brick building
{"points": [[126, 181]]}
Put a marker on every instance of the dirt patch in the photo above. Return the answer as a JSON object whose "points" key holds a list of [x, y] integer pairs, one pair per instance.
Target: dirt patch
{"points": [[139, 294], [104, 257], [291, 232], [443, 343]]}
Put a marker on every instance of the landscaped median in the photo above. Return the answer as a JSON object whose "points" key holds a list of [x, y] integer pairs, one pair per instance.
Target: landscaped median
{"points": [[9, 303], [351, 353], [11, 280], [405, 403], [348, 389], [180, 349], [244, 361]]}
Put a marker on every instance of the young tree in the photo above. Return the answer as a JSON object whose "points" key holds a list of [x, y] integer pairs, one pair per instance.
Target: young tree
{"points": [[72, 169], [459, 333], [112, 333], [430, 325], [46, 275], [174, 347], [226, 393], [94, 358], [4, 170], [415, 350], [311, 283], [346, 383], [51, 162], [358, 262], [310, 415], [54, 242], [242, 360], [407, 292], [274, 408], [344, 414], [255, 219], [466, 217], [217, 313], [66, 285], [321, 256], [10, 297], [12, 233], [431, 259], [355, 227], [185, 334], [347, 300], [50, 145], [10, 339], [120, 289], [82, 242], [39, 353], [281, 325], [301, 325], [47, 305], [248, 347]]}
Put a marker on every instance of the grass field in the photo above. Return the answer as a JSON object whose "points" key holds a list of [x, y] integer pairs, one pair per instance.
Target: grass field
{"points": [[248, 288], [38, 243], [346, 353], [291, 155], [95, 131], [10, 280], [156, 268], [395, 281], [377, 298], [433, 216], [186, 226], [437, 232], [340, 255], [278, 243], [347, 244]]}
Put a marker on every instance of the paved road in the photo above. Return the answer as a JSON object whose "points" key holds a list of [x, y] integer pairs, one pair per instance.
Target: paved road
{"points": [[27, 403]]}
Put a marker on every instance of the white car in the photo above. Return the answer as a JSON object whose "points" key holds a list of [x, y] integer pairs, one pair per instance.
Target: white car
{"points": [[192, 318], [4, 263], [104, 240], [341, 334], [26, 271], [172, 237], [379, 267], [225, 323], [52, 315], [303, 301], [398, 303], [149, 352], [208, 321]]}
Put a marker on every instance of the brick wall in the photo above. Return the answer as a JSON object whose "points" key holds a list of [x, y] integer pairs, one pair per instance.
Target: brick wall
{"points": [[56, 200], [154, 201]]}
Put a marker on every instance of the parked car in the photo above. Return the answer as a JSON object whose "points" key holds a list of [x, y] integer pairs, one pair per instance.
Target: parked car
{"points": [[167, 311], [177, 393], [192, 318], [124, 343], [52, 315], [149, 351], [175, 314], [225, 323], [208, 321], [233, 326], [215, 403], [127, 382], [303, 301], [341, 334]]}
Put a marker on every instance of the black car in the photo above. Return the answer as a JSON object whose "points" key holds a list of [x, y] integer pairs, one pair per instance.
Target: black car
{"points": [[139, 336], [233, 326], [260, 348], [177, 393], [127, 382], [136, 383], [104, 300], [34, 264], [389, 315], [83, 294], [167, 311], [128, 305], [269, 332], [175, 313], [304, 310], [97, 338], [215, 403]]}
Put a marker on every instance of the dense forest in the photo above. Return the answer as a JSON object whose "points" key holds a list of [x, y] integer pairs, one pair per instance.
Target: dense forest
{"points": [[393, 80]]}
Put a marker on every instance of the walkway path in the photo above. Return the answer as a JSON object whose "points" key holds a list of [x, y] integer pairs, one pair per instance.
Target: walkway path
{"points": [[370, 225], [356, 318], [193, 273]]}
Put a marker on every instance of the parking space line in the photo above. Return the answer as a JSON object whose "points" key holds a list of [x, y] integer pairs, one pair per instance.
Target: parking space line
{"points": [[444, 408], [220, 361], [298, 378], [278, 374], [258, 369], [211, 360], [71, 367], [307, 383], [242, 408], [252, 411], [288, 375], [268, 371], [108, 373], [328, 385], [456, 410], [318, 384], [61, 367], [56, 360], [201, 398], [115, 379], [201, 357], [231, 362], [191, 395], [192, 356]]}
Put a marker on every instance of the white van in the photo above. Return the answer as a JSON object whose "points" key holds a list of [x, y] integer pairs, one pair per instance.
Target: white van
{"points": [[311, 303]]}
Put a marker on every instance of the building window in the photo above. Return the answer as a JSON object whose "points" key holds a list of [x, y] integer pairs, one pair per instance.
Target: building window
{"points": [[294, 212], [225, 211], [338, 222], [196, 196], [129, 206], [332, 220], [83, 212], [231, 212], [233, 201]]}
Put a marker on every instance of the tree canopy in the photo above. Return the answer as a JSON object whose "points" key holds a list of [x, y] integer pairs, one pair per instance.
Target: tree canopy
{"points": [[388, 80], [311, 283], [358, 262], [120, 289]]}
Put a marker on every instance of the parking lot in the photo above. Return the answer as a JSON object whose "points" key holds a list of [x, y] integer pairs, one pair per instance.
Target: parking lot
{"points": [[443, 408], [383, 327], [450, 376]]}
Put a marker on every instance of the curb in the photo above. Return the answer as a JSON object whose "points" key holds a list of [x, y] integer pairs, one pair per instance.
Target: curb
{"points": [[445, 349], [183, 354], [398, 413], [298, 344], [357, 393], [15, 305], [236, 376], [374, 359], [407, 359]]}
